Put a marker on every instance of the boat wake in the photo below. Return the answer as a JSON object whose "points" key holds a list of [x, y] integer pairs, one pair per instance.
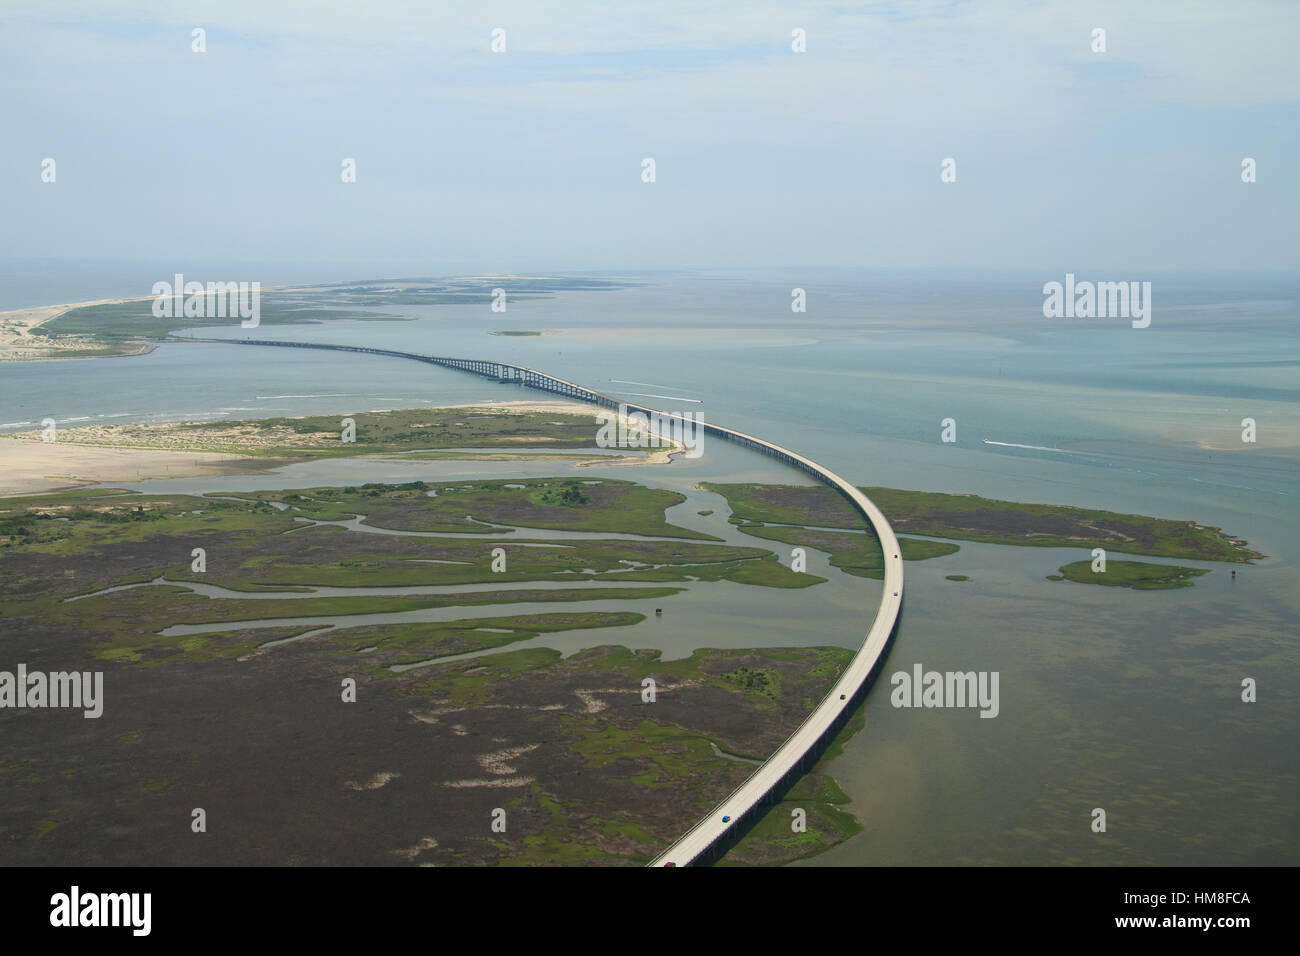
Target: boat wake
{"points": [[1011, 444]]}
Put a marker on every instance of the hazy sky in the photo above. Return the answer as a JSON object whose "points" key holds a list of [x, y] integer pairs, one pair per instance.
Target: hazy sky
{"points": [[531, 159]]}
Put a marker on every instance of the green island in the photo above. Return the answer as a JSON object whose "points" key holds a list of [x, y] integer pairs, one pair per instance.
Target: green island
{"points": [[807, 515], [856, 554], [106, 574], [1139, 575], [119, 328], [124, 328], [555, 738], [417, 431], [461, 289]]}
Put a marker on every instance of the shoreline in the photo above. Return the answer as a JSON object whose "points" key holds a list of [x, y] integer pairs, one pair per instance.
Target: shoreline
{"points": [[38, 468], [16, 344], [16, 326], [87, 455]]}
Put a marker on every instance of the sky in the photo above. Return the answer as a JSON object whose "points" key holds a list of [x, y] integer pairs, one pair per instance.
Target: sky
{"points": [[531, 159]]}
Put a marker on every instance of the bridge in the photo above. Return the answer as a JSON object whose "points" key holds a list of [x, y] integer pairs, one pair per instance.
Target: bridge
{"points": [[800, 750]]}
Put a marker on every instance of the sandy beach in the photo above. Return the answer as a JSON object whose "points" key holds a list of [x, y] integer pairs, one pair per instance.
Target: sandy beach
{"points": [[17, 344], [91, 454], [28, 468]]}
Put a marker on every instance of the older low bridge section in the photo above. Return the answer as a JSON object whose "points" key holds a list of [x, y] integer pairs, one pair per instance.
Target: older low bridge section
{"points": [[709, 836], [501, 372]]}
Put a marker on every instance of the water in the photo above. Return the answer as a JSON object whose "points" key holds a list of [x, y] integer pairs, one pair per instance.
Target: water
{"points": [[1109, 698]]}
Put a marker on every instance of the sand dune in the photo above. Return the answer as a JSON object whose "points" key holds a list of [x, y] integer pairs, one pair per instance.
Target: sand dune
{"points": [[28, 467]]}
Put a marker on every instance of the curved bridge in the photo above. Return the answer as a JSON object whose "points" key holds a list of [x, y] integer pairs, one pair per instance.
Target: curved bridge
{"points": [[799, 751]]}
